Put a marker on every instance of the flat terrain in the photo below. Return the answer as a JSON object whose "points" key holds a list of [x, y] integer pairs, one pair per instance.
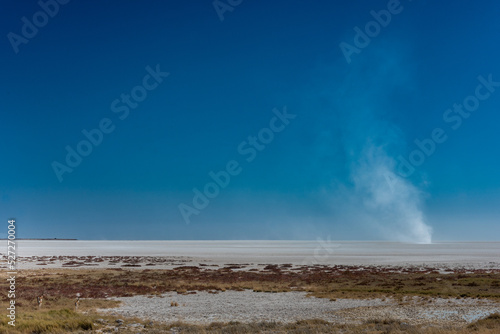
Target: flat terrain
{"points": [[288, 307], [200, 293], [471, 254]]}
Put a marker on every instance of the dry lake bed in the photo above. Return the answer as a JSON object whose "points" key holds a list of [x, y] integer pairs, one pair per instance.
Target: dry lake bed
{"points": [[257, 286], [472, 254]]}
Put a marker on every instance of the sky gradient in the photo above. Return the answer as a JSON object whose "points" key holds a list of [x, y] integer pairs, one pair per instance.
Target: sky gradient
{"points": [[177, 93]]}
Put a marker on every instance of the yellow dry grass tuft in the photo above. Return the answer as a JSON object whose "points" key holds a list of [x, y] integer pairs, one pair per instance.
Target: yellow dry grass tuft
{"points": [[53, 321]]}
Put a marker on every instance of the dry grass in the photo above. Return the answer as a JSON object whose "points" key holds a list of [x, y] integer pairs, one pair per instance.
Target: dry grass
{"points": [[53, 321], [490, 325], [60, 287], [66, 321], [325, 282]]}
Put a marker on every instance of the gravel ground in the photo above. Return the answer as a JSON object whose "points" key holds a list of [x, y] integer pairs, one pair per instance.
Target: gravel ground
{"points": [[450, 312], [248, 306], [244, 306]]}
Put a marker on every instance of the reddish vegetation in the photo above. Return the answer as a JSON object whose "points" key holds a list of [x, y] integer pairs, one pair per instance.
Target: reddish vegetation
{"points": [[321, 281]]}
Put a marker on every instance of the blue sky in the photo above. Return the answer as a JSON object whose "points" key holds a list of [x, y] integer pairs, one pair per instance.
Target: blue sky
{"points": [[331, 171]]}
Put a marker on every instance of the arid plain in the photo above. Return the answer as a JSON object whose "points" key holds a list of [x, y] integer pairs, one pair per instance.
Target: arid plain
{"points": [[317, 286]]}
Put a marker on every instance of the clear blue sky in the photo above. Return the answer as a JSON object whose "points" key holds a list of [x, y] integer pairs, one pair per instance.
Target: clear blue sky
{"points": [[319, 176]]}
